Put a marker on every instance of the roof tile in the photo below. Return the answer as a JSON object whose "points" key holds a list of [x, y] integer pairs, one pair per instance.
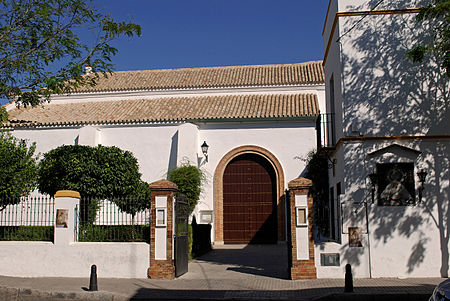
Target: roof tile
{"points": [[227, 107], [231, 76]]}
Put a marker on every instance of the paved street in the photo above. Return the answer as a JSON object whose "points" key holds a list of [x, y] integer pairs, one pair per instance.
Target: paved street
{"points": [[238, 273]]}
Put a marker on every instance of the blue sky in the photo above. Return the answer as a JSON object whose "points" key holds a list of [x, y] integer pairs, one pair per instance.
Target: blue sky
{"points": [[202, 33], [205, 33]]}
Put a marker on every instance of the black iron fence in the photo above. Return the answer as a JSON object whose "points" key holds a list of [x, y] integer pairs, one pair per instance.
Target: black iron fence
{"points": [[325, 130], [113, 220], [27, 218]]}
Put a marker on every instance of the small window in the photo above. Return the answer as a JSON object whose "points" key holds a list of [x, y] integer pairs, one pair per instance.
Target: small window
{"points": [[396, 184], [161, 217], [301, 214]]}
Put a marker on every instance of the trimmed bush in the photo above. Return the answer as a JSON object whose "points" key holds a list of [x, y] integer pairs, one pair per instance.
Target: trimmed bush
{"points": [[189, 181], [106, 172]]}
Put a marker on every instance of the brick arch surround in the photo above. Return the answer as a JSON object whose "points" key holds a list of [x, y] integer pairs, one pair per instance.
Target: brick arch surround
{"points": [[218, 188]]}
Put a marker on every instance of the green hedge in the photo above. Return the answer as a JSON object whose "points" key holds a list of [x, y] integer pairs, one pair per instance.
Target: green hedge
{"points": [[123, 233], [27, 233]]}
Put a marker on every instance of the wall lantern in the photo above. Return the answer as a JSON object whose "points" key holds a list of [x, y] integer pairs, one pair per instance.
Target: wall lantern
{"points": [[205, 150], [422, 176], [373, 177]]}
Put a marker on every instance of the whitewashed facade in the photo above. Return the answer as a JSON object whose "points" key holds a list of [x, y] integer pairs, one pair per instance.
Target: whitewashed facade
{"points": [[388, 114], [287, 134]]}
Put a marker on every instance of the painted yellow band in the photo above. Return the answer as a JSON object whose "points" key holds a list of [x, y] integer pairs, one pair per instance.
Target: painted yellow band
{"points": [[67, 193]]}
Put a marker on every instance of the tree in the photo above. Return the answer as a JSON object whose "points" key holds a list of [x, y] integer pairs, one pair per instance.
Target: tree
{"points": [[317, 172], [95, 172], [41, 52], [189, 181], [438, 11], [18, 169]]}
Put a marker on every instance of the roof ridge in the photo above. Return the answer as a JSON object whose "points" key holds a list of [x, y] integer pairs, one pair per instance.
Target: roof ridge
{"points": [[219, 67], [210, 77]]}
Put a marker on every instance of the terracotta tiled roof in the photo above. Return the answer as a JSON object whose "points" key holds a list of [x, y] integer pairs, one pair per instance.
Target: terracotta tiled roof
{"points": [[211, 77], [209, 108]]}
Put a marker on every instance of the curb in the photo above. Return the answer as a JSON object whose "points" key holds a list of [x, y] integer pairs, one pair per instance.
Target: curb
{"points": [[19, 294], [374, 297]]}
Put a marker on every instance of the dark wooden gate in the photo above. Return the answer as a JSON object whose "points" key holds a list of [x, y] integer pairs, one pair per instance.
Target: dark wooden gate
{"points": [[249, 201], [181, 235]]}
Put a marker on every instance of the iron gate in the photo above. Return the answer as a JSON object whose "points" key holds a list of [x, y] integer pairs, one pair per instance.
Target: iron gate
{"points": [[289, 222], [181, 235]]}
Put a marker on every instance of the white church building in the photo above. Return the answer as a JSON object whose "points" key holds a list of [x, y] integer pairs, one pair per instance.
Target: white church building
{"points": [[383, 129], [258, 121]]}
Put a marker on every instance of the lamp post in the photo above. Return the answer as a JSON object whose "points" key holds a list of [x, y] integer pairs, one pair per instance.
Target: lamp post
{"points": [[422, 174], [205, 147]]}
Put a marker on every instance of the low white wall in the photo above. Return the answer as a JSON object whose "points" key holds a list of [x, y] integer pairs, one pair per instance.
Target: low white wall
{"points": [[44, 259]]}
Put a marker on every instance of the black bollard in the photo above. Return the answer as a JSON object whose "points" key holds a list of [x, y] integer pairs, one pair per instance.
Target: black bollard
{"points": [[93, 281], [348, 279]]}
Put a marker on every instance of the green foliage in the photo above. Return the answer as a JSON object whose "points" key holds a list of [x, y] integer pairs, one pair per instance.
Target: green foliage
{"points": [[27, 233], [18, 169], [190, 240], [317, 172], [122, 233], [189, 180], [41, 51], [102, 172], [3, 115], [439, 13]]}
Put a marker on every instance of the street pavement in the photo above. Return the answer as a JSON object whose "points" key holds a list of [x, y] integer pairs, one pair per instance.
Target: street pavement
{"points": [[237, 272]]}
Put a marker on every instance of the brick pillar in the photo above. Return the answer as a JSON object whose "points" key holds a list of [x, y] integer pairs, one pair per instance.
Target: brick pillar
{"points": [[161, 230], [301, 206]]}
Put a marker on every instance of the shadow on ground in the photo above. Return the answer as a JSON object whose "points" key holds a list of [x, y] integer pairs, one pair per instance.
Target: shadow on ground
{"points": [[263, 260], [317, 294]]}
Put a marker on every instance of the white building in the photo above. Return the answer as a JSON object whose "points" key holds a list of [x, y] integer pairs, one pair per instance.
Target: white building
{"points": [[388, 117], [259, 121]]}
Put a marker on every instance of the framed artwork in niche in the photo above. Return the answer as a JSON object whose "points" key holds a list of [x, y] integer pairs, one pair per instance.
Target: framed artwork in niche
{"points": [[396, 184]]}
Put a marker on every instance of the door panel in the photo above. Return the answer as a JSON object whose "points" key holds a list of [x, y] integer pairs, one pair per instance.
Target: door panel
{"points": [[249, 201]]}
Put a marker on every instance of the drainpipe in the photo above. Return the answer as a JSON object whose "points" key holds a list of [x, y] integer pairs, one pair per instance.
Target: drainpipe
{"points": [[364, 150], [368, 241]]}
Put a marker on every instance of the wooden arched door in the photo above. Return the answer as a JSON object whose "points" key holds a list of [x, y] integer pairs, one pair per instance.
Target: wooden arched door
{"points": [[249, 201]]}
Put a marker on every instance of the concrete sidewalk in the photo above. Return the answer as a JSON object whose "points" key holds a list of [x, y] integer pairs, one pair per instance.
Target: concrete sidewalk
{"points": [[250, 288], [226, 273]]}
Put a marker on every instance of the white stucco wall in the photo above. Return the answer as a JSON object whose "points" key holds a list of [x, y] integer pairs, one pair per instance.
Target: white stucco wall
{"points": [[379, 92], [155, 146], [380, 85], [48, 138], [44, 259], [376, 85], [404, 241], [158, 146], [289, 142]]}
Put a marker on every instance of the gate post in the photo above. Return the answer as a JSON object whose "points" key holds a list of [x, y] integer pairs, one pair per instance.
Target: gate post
{"points": [[66, 223], [161, 230], [301, 217]]}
